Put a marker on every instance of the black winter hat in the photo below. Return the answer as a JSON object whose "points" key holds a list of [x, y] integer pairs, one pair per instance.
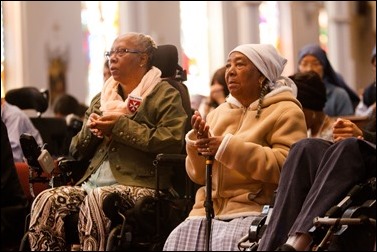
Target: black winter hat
{"points": [[311, 91]]}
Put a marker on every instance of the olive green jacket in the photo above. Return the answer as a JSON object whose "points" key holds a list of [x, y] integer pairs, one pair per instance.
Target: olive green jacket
{"points": [[156, 127]]}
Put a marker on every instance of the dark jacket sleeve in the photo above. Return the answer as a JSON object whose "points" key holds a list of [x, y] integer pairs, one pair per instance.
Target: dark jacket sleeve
{"points": [[11, 190], [14, 204]]}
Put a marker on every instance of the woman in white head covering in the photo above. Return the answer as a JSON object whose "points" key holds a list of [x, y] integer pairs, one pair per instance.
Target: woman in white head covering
{"points": [[249, 137]]}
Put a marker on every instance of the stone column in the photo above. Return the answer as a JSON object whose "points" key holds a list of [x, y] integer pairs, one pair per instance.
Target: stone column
{"points": [[298, 26], [248, 21], [339, 44]]}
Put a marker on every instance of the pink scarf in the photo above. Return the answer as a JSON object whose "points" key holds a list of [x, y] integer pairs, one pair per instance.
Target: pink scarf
{"points": [[112, 102]]}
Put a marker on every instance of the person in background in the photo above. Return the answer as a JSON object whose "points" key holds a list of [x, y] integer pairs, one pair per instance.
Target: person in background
{"points": [[17, 123], [218, 91], [341, 99], [311, 93], [106, 71], [368, 99], [197, 101], [81, 110], [68, 107], [135, 116], [13, 200], [64, 105], [249, 137], [316, 176]]}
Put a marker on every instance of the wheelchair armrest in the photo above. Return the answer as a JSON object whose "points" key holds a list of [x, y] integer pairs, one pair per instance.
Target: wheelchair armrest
{"points": [[174, 159], [66, 164], [71, 169]]}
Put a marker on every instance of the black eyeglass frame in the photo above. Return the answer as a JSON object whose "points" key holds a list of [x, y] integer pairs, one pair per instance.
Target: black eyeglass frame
{"points": [[120, 52]]}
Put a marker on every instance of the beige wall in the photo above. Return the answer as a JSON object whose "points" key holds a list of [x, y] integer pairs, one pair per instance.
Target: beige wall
{"points": [[43, 27]]}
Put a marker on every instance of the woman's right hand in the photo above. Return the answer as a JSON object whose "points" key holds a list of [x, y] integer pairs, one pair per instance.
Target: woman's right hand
{"points": [[199, 125], [343, 128], [92, 125]]}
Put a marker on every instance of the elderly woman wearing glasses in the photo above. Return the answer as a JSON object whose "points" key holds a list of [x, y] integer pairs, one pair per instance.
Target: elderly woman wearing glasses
{"points": [[125, 126]]}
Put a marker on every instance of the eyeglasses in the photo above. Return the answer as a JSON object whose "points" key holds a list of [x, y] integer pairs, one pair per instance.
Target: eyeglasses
{"points": [[314, 64], [120, 52]]}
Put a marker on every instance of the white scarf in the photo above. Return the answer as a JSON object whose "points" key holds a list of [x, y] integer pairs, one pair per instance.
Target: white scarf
{"points": [[112, 102]]}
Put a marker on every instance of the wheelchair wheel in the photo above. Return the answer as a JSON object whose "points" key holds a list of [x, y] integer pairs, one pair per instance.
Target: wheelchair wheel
{"points": [[118, 242], [113, 239], [24, 245]]}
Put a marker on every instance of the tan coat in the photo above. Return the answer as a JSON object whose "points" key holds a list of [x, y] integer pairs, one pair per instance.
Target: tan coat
{"points": [[248, 163]]}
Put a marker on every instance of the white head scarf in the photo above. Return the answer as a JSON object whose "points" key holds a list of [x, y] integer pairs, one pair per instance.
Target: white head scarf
{"points": [[269, 63]]}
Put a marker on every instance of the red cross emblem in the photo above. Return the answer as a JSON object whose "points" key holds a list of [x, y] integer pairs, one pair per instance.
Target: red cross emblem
{"points": [[133, 103]]}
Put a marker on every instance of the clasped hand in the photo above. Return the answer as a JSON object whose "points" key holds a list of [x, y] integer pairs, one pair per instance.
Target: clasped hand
{"points": [[205, 144], [101, 126], [343, 128]]}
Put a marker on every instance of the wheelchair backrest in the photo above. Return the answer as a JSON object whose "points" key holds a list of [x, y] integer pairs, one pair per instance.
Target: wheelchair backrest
{"points": [[29, 98], [166, 59], [53, 130]]}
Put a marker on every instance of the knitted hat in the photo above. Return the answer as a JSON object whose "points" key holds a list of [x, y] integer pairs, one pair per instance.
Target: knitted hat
{"points": [[311, 91]]}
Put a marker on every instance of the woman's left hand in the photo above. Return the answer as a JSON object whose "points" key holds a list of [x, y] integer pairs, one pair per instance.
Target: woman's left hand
{"points": [[199, 125], [105, 124], [343, 128]]}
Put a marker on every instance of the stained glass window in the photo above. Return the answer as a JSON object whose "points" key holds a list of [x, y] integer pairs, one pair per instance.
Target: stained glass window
{"points": [[100, 24], [268, 23], [194, 40]]}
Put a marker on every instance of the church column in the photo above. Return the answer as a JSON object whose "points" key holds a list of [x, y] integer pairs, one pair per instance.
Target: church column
{"points": [[248, 21], [339, 44], [298, 26]]}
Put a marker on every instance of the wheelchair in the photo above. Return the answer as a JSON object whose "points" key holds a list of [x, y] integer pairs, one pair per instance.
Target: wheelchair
{"points": [[146, 225], [349, 225]]}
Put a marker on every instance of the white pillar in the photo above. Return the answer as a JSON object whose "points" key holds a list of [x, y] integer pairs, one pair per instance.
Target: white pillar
{"points": [[297, 18], [216, 32], [161, 20], [248, 21], [339, 43], [16, 68]]}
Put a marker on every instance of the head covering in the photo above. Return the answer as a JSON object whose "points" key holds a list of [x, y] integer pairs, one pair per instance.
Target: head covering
{"points": [[311, 91], [329, 75], [265, 58], [269, 63]]}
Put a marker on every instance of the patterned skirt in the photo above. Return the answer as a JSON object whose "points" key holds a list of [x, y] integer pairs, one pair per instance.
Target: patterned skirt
{"points": [[49, 209], [190, 235]]}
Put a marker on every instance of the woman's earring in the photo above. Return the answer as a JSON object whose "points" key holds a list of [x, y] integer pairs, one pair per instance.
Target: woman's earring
{"points": [[261, 83]]}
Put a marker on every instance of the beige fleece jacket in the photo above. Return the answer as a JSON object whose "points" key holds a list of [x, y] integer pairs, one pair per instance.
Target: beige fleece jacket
{"points": [[247, 166]]}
